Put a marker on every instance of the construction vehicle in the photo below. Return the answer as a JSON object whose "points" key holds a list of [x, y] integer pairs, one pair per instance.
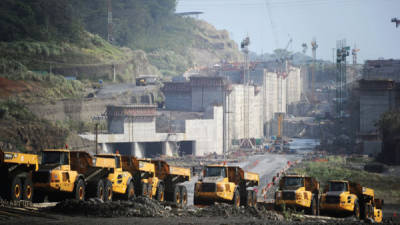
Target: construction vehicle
{"points": [[143, 175], [16, 170], [345, 197], [298, 192], [222, 183], [64, 173], [126, 177], [167, 183]]}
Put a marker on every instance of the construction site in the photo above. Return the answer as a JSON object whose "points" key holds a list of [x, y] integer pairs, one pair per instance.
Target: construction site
{"points": [[165, 112]]}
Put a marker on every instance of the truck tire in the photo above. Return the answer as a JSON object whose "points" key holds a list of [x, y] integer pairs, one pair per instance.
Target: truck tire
{"points": [[254, 199], [145, 190], [236, 199], [313, 207], [150, 191], [99, 191], [16, 190], [28, 189], [356, 210], [160, 194], [79, 192], [249, 198], [108, 191], [130, 191], [184, 196], [177, 196]]}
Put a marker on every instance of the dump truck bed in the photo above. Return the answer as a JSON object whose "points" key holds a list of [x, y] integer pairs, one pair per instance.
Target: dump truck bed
{"points": [[133, 165], [254, 177], [18, 159]]}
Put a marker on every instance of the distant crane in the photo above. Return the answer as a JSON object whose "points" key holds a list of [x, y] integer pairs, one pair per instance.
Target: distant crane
{"points": [[314, 47], [305, 47], [354, 53], [396, 21]]}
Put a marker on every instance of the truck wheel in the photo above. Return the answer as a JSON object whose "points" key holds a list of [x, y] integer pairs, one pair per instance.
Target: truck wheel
{"points": [[184, 196], [100, 190], [28, 189], [79, 192], [16, 189], [313, 207], [150, 191], [130, 191], [145, 190], [254, 199], [236, 199], [160, 193], [177, 196], [249, 198], [356, 210], [108, 191]]}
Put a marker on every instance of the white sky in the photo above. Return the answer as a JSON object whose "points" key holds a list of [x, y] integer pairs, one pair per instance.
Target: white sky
{"points": [[271, 23]]}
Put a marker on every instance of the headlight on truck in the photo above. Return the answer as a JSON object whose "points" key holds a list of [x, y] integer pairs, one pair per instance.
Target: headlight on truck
{"points": [[299, 196], [8, 156], [220, 188]]}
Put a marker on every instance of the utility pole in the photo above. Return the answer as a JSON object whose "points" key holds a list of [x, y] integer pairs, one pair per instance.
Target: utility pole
{"points": [[109, 22], [342, 51], [314, 55], [97, 138]]}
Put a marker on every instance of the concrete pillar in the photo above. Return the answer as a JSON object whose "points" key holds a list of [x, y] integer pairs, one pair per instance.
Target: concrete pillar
{"points": [[138, 149], [169, 148], [194, 151]]}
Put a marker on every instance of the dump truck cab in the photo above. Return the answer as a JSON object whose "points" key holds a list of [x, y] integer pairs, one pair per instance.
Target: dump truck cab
{"points": [[298, 191], [221, 183], [16, 170], [119, 178], [346, 197]]}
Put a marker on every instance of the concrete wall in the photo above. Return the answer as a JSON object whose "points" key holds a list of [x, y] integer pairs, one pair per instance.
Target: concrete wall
{"points": [[180, 101], [372, 106], [204, 97], [206, 133]]}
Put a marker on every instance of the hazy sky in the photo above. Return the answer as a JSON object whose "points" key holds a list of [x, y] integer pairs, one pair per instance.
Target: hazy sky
{"points": [[271, 23]]}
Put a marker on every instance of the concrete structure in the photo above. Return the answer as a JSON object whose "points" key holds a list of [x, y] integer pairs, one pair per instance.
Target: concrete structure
{"points": [[378, 94], [204, 115], [132, 131]]}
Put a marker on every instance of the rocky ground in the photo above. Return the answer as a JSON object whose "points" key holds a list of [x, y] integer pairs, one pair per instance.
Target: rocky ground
{"points": [[147, 211]]}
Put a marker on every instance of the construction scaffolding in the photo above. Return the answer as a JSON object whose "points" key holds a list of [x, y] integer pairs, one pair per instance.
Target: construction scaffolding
{"points": [[342, 51]]}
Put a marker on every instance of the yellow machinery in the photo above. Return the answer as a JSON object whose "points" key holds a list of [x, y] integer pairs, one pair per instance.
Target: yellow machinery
{"points": [[351, 198], [300, 192], [16, 171], [64, 173], [221, 183], [143, 174], [167, 180]]}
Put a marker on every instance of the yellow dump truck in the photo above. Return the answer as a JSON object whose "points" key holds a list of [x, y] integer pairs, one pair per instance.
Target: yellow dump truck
{"points": [[143, 174], [344, 197], [167, 180], [299, 192], [16, 171], [222, 183], [64, 173]]}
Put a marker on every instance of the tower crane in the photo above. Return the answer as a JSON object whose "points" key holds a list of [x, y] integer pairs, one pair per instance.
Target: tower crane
{"points": [[354, 53], [305, 47], [396, 21]]}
